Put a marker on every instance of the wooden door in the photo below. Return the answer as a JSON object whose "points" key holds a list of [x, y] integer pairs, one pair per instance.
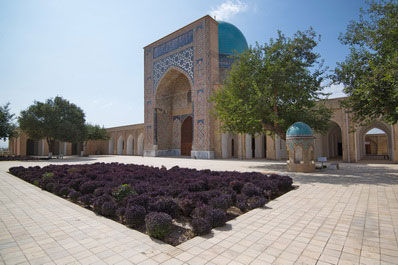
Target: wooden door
{"points": [[186, 137]]}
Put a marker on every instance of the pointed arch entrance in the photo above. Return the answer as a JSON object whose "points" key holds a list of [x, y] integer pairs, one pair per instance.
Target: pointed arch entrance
{"points": [[32, 147], [186, 136], [173, 105]]}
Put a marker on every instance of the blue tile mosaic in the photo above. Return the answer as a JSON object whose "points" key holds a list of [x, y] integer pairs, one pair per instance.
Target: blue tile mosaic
{"points": [[182, 60], [173, 44]]}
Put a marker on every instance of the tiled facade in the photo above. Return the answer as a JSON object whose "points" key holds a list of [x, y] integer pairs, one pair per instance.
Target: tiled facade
{"points": [[197, 59]]}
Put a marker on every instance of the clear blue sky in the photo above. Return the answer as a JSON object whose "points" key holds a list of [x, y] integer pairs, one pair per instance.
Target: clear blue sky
{"points": [[90, 52]]}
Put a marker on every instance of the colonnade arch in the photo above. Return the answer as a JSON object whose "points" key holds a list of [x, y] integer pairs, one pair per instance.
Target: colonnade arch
{"points": [[110, 146], [229, 145], [335, 141], [130, 145], [140, 144], [364, 140], [120, 145]]}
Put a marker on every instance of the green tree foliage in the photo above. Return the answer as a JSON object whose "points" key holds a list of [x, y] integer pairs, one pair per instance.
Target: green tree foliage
{"points": [[93, 133], [370, 72], [55, 119], [272, 86], [7, 126]]}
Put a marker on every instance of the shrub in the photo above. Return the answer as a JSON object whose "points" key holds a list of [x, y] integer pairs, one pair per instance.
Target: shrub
{"points": [[86, 199], [141, 200], [256, 202], [74, 195], [135, 216], [164, 205], [186, 206], [202, 211], [108, 209], [218, 218], [123, 191], [102, 191], [50, 186], [249, 189], [120, 211], [241, 202], [47, 176], [88, 187], [221, 202], [236, 185], [97, 205], [201, 226], [158, 225], [64, 191]]}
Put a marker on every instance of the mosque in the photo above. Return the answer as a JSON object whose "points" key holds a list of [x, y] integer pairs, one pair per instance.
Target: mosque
{"points": [[181, 71]]}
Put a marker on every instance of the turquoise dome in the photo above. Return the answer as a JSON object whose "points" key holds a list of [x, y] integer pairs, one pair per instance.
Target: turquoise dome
{"points": [[299, 129], [230, 39]]}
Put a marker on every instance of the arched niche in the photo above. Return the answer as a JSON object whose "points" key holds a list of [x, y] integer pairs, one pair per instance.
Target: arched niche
{"points": [[110, 146], [335, 141], [130, 145], [120, 145], [229, 145], [298, 154], [140, 144]]}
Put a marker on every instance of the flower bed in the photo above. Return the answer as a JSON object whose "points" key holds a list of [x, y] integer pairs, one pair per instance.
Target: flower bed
{"points": [[172, 205]]}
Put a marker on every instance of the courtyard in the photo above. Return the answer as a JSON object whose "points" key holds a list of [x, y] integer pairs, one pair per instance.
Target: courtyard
{"points": [[345, 216]]}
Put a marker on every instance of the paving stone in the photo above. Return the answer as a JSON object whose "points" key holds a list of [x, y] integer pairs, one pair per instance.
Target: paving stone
{"points": [[334, 217]]}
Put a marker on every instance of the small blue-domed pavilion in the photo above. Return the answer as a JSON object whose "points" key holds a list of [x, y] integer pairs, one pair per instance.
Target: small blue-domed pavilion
{"points": [[300, 145]]}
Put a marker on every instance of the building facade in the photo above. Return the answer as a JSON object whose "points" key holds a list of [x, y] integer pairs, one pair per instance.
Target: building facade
{"points": [[181, 71]]}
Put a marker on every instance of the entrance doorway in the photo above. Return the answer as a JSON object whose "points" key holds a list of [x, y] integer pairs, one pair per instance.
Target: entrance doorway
{"points": [[31, 147], [186, 137]]}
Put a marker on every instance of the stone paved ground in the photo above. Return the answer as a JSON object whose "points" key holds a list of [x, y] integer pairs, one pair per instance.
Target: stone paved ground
{"points": [[346, 216]]}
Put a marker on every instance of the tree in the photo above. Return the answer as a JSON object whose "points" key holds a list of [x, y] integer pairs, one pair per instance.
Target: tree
{"points": [[370, 72], [93, 133], [7, 126], [55, 119], [272, 86]]}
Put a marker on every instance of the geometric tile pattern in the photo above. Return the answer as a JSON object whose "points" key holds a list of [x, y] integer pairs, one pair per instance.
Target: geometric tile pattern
{"points": [[182, 60]]}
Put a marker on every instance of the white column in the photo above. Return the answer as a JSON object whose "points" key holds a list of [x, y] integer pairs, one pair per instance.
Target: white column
{"points": [[249, 146], [224, 145], [277, 147], [259, 146]]}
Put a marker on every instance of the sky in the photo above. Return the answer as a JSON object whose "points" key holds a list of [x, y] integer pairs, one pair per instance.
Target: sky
{"points": [[90, 52]]}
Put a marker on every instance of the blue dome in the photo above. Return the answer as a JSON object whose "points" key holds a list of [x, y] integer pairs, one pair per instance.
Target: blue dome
{"points": [[299, 129], [230, 39]]}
